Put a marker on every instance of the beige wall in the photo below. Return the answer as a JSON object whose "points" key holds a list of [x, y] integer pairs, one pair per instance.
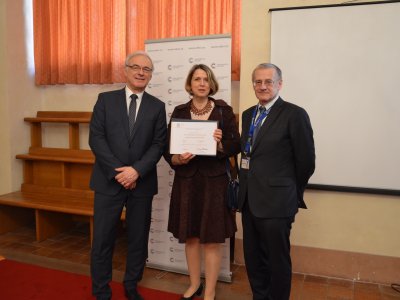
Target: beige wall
{"points": [[20, 97], [5, 161], [338, 221]]}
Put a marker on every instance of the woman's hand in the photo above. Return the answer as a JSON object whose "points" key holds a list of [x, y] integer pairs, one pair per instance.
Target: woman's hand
{"points": [[182, 159], [218, 137]]}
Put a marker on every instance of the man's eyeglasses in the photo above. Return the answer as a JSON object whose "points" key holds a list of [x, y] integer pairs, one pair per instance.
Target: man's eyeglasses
{"points": [[137, 68], [260, 83]]}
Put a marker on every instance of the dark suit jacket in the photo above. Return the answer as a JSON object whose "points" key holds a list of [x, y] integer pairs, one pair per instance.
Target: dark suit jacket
{"points": [[282, 161], [210, 165], [112, 147]]}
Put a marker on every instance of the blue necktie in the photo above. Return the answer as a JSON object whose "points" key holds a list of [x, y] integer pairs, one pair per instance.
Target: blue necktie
{"points": [[261, 111], [132, 113]]}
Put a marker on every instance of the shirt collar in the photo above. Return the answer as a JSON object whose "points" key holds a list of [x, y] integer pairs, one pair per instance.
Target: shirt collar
{"points": [[270, 103], [128, 93]]}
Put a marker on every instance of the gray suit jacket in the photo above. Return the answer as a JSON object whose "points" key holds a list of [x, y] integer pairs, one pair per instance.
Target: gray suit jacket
{"points": [[110, 142], [282, 161]]}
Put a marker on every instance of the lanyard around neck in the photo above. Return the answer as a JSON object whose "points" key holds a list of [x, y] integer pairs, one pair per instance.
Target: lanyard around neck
{"points": [[254, 124]]}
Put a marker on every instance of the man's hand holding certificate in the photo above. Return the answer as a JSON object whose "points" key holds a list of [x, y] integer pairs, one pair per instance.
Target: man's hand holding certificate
{"points": [[193, 136]]}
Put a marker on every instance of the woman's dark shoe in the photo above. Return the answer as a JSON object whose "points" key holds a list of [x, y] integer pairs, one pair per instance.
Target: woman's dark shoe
{"points": [[196, 293]]}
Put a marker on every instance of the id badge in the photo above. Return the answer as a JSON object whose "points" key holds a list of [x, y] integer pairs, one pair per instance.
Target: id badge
{"points": [[245, 163]]}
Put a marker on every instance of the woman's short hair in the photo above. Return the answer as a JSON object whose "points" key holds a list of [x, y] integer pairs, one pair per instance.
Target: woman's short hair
{"points": [[211, 79]]}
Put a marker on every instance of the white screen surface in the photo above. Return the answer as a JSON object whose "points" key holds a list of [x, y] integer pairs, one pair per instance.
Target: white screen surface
{"points": [[342, 64]]}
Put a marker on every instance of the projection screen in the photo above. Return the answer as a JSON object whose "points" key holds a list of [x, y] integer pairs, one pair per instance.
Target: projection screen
{"points": [[342, 64]]}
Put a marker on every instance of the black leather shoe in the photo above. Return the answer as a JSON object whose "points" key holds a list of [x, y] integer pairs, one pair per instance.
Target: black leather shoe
{"points": [[196, 293], [133, 295]]}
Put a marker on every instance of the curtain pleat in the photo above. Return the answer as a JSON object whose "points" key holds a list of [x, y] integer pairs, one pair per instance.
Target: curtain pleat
{"points": [[82, 41]]}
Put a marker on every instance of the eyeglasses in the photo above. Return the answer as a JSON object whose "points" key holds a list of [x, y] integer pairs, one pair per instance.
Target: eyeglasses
{"points": [[137, 68], [260, 83]]}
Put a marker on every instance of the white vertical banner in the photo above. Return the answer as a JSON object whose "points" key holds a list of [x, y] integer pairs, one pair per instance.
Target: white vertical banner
{"points": [[172, 60]]}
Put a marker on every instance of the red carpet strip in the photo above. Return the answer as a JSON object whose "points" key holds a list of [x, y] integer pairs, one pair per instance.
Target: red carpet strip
{"points": [[20, 281]]}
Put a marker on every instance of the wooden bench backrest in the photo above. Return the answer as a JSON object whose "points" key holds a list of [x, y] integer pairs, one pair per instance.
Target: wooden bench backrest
{"points": [[64, 114], [60, 171]]}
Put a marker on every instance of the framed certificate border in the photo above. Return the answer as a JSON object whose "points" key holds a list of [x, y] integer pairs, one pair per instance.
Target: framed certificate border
{"points": [[193, 136]]}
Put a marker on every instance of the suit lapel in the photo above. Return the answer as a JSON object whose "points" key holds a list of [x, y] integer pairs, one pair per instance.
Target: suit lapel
{"points": [[123, 111], [273, 114]]}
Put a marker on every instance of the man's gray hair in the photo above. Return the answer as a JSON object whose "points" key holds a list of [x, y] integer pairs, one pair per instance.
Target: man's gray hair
{"points": [[138, 53], [267, 66]]}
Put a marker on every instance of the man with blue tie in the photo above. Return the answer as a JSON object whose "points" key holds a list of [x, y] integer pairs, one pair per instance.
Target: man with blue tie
{"points": [[127, 136], [278, 158]]}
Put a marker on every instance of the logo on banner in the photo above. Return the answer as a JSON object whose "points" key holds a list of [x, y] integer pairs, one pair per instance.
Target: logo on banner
{"points": [[156, 241], [174, 67], [176, 250], [219, 46], [215, 65], [170, 79], [154, 85], [176, 91], [154, 251], [176, 260], [197, 48], [196, 60]]}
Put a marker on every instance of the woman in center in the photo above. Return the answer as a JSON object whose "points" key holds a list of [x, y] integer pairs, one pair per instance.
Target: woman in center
{"points": [[198, 215]]}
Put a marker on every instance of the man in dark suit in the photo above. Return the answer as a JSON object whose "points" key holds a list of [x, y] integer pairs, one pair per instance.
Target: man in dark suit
{"points": [[127, 136], [278, 159]]}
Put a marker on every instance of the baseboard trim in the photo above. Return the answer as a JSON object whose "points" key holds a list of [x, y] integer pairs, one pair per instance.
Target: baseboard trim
{"points": [[339, 264]]}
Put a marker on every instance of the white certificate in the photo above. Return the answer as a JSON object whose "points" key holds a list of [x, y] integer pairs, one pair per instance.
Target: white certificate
{"points": [[193, 136]]}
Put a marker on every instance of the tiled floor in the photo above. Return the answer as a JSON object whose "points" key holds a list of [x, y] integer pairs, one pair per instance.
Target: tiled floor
{"points": [[70, 252]]}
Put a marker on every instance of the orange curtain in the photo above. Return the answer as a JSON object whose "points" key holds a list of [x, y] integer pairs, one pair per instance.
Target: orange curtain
{"points": [[81, 41]]}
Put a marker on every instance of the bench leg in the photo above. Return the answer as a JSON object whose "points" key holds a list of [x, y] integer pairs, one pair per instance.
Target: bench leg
{"points": [[49, 224], [12, 218]]}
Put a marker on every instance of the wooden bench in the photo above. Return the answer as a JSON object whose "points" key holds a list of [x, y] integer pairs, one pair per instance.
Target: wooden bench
{"points": [[55, 190]]}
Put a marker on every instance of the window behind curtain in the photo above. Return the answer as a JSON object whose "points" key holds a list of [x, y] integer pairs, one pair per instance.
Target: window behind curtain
{"points": [[80, 41]]}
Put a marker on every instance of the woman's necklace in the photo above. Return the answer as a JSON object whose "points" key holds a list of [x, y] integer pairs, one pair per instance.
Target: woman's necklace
{"points": [[199, 112]]}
